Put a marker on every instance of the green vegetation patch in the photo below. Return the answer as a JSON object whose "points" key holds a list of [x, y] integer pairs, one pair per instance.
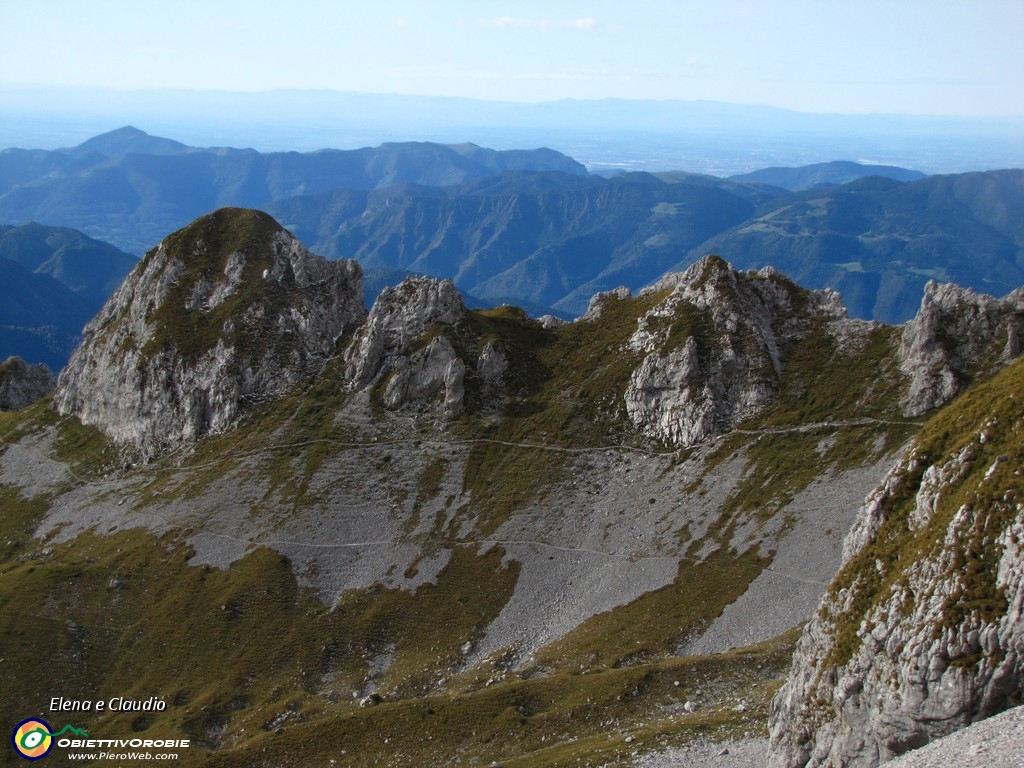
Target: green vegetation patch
{"points": [[31, 420], [823, 381], [658, 624], [522, 341], [19, 518], [427, 489], [565, 388], [125, 616], [502, 478], [423, 633], [552, 721], [668, 209], [781, 465], [590, 370], [88, 453], [837, 408]]}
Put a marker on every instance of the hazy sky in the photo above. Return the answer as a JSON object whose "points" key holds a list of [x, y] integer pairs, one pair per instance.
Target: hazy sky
{"points": [[856, 56]]}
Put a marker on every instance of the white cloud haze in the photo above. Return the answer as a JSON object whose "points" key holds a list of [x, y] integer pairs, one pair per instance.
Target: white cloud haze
{"points": [[544, 25], [866, 57]]}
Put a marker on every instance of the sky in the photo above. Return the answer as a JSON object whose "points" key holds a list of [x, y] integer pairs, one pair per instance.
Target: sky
{"points": [[936, 57]]}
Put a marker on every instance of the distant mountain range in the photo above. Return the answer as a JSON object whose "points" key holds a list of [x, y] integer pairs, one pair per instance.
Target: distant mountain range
{"points": [[40, 319], [605, 134], [825, 174], [131, 189], [90, 268], [540, 238], [52, 281], [878, 241], [555, 241], [532, 227]]}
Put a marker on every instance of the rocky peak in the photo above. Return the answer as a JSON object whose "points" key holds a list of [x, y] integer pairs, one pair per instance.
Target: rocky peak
{"points": [[399, 342], [714, 347], [22, 384], [712, 282], [954, 332], [228, 311]]}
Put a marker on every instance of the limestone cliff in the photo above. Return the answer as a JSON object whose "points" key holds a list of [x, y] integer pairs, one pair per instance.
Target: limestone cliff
{"points": [[955, 332], [22, 384], [223, 313], [415, 345], [922, 631], [714, 349]]}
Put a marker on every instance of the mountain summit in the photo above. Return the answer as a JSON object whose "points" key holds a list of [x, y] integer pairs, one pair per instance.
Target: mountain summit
{"points": [[128, 139], [225, 312]]}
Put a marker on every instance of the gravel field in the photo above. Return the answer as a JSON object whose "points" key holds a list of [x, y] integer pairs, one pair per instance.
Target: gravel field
{"points": [[749, 753], [997, 742]]}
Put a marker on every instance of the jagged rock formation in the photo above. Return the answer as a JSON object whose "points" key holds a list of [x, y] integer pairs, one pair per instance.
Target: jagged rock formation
{"points": [[223, 313], [22, 384], [393, 344], [922, 631], [714, 348], [954, 332]]}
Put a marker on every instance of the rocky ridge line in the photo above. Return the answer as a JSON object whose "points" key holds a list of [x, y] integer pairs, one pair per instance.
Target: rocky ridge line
{"points": [[232, 310]]}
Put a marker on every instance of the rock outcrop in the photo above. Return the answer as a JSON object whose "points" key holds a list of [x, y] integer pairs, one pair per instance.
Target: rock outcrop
{"points": [[714, 347], [22, 384], [226, 312], [954, 332], [401, 346], [922, 631]]}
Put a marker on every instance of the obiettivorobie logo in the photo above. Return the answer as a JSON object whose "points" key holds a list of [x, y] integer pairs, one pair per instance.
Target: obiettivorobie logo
{"points": [[33, 739]]}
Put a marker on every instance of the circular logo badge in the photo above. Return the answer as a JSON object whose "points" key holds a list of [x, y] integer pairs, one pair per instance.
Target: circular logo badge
{"points": [[32, 739]]}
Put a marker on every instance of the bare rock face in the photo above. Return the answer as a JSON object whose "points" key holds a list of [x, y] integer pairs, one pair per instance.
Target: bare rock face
{"points": [[400, 346], [597, 302], [922, 632], [713, 348], [22, 384], [226, 312], [955, 331], [419, 377], [492, 365]]}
